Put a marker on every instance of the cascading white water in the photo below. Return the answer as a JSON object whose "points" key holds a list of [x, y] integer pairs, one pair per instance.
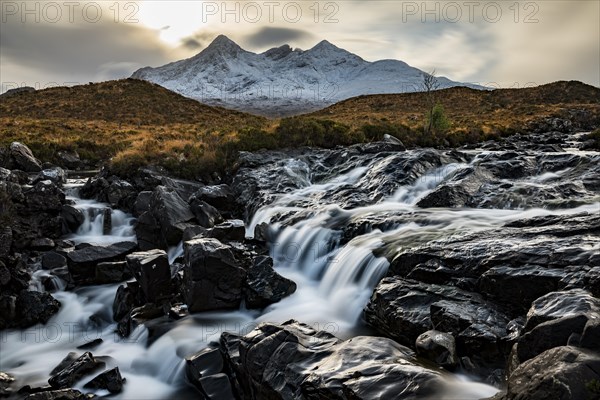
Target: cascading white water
{"points": [[335, 280]]}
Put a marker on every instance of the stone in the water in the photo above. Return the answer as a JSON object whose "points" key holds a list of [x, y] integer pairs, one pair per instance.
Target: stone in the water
{"points": [[438, 347], [264, 286], [151, 269], [6, 381], [206, 215], [62, 394], [213, 275], [82, 263], [292, 360], [82, 366], [110, 380], [171, 212], [34, 307], [51, 260]]}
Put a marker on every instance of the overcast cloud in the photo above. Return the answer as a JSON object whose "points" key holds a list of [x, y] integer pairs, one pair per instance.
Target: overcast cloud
{"points": [[533, 42]]}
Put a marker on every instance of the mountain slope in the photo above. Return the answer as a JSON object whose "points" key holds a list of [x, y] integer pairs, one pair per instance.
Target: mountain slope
{"points": [[501, 110], [282, 81]]}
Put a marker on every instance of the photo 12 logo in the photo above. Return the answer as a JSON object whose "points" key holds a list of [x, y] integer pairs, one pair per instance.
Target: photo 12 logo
{"points": [[270, 11], [470, 11], [69, 11]]}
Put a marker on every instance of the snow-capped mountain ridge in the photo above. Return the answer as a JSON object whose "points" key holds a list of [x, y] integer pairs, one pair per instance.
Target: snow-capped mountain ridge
{"points": [[282, 80]]}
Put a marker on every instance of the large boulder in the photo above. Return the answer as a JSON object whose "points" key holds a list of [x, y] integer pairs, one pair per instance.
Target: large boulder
{"points": [[558, 319], [44, 196], [214, 275], [264, 286], [292, 361], [404, 309], [83, 262], [151, 269], [171, 212], [439, 347], [561, 373], [23, 158], [219, 196]]}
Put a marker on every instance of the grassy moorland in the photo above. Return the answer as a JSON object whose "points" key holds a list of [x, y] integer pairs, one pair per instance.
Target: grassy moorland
{"points": [[130, 123]]}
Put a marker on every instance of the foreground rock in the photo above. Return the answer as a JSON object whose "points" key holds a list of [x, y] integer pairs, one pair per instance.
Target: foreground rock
{"points": [[23, 158], [83, 263], [264, 286], [214, 274], [75, 370], [565, 373], [294, 361]]}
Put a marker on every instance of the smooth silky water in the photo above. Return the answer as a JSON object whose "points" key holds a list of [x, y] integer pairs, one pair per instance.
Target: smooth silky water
{"points": [[334, 284]]}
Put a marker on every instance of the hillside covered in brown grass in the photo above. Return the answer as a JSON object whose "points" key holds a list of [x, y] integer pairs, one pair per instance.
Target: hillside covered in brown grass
{"points": [[133, 122], [500, 111]]}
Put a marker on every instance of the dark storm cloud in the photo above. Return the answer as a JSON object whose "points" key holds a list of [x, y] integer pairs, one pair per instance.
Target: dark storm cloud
{"points": [[271, 36]]}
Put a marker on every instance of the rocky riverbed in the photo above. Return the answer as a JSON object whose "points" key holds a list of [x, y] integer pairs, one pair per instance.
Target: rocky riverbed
{"points": [[368, 271]]}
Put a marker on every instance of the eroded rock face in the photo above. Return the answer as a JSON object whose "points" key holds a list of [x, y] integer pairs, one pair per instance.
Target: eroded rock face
{"points": [[84, 262], [214, 275], [294, 361]]}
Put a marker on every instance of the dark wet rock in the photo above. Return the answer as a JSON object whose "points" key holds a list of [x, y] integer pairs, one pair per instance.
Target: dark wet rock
{"points": [[111, 272], [6, 382], [69, 159], [23, 158], [204, 370], [127, 297], [83, 262], [32, 308], [121, 194], [219, 196], [294, 361], [404, 309], [95, 188], [148, 233], [148, 312], [172, 214], [513, 285], [264, 286], [69, 375], [55, 175], [91, 345], [142, 203], [214, 274], [553, 320], [206, 215], [216, 387], [44, 196], [438, 347], [62, 394], [151, 269], [110, 380], [228, 231], [458, 189], [51, 260], [5, 241], [106, 221], [42, 244], [565, 373], [592, 281], [72, 217]]}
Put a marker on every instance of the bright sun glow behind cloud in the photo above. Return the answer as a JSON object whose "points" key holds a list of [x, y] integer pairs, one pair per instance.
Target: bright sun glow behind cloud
{"points": [[176, 19]]}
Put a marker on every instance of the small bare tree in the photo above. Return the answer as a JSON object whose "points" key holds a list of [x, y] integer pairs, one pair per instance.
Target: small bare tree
{"points": [[429, 85]]}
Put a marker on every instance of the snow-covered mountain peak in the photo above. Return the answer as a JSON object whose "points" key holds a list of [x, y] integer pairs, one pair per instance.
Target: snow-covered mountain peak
{"points": [[283, 81]]}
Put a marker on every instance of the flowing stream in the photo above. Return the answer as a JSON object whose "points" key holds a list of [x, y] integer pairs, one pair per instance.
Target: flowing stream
{"points": [[334, 278]]}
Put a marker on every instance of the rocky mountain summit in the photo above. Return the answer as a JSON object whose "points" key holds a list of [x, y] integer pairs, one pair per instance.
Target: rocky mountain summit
{"points": [[283, 81]]}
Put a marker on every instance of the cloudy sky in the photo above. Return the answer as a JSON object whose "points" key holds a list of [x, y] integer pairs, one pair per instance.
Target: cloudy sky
{"points": [[495, 43]]}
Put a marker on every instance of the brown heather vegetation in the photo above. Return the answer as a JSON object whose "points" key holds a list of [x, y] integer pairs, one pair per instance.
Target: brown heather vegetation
{"points": [[134, 123]]}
